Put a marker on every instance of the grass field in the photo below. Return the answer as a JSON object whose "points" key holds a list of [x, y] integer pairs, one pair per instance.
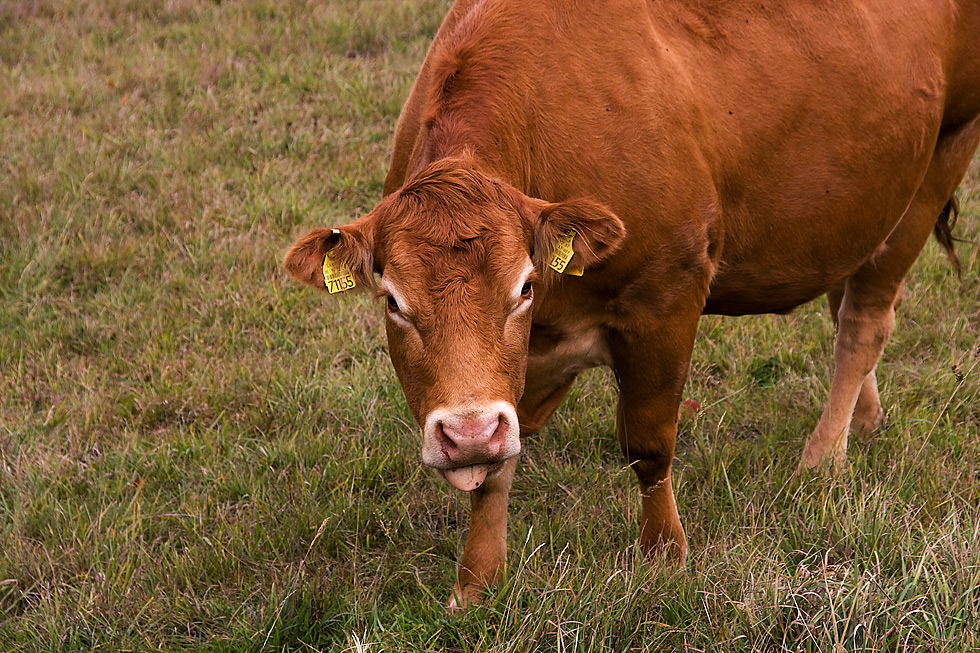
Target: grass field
{"points": [[198, 454]]}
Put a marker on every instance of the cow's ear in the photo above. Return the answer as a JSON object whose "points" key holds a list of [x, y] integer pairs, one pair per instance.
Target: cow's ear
{"points": [[593, 230], [335, 259]]}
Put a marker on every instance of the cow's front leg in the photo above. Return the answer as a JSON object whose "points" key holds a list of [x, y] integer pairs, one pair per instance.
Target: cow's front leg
{"points": [[486, 544], [485, 552], [651, 369]]}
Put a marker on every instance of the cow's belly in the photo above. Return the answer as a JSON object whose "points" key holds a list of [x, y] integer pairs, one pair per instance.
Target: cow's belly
{"points": [[799, 264], [794, 239], [778, 283]]}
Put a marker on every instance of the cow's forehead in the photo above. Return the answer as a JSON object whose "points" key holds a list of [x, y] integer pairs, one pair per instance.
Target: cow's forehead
{"points": [[493, 256], [427, 241], [445, 226], [447, 204]]}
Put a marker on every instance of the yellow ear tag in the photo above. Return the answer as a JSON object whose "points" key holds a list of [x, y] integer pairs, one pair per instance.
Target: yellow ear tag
{"points": [[562, 255], [336, 277]]}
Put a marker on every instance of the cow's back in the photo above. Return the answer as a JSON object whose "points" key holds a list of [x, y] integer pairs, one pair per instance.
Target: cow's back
{"points": [[773, 126]]}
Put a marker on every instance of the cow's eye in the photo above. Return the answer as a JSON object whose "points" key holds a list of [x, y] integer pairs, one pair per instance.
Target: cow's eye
{"points": [[527, 290], [392, 305]]}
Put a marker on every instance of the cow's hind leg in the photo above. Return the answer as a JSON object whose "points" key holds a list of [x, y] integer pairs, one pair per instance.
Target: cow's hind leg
{"points": [[867, 411], [864, 322], [867, 308]]}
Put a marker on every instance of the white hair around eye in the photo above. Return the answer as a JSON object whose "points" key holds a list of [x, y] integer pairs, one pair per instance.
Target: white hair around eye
{"points": [[397, 307], [522, 293]]}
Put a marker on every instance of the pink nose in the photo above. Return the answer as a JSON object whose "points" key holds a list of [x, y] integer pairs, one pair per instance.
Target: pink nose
{"points": [[462, 437]]}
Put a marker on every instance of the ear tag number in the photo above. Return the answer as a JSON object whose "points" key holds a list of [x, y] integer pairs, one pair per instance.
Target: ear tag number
{"points": [[336, 277], [562, 255]]}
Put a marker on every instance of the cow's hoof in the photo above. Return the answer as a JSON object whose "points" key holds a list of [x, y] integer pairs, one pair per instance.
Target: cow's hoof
{"points": [[667, 554], [465, 596], [827, 461]]}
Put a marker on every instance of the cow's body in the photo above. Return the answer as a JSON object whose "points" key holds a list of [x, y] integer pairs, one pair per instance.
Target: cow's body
{"points": [[757, 154]]}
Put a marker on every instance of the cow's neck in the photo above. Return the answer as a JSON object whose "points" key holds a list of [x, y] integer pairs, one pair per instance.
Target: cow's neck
{"points": [[475, 104]]}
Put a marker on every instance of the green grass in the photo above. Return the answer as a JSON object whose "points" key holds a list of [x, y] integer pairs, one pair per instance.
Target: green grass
{"points": [[198, 454]]}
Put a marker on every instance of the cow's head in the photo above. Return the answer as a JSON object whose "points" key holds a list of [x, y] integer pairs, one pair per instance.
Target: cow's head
{"points": [[459, 256]]}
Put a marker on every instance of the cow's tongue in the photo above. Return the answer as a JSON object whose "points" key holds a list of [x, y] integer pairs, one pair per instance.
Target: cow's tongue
{"points": [[468, 478]]}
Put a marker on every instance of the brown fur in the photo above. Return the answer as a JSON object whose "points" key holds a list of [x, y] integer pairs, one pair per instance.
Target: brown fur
{"points": [[727, 157]]}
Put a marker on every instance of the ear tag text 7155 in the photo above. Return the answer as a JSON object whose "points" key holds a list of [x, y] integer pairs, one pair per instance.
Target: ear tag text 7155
{"points": [[562, 255], [336, 276]]}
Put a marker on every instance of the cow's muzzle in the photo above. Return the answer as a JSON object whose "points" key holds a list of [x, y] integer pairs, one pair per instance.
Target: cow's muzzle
{"points": [[467, 443]]}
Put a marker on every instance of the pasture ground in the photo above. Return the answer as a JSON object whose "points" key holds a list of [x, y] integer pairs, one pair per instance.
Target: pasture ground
{"points": [[198, 454]]}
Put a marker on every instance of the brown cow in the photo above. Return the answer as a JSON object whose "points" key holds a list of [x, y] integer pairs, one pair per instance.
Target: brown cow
{"points": [[693, 157]]}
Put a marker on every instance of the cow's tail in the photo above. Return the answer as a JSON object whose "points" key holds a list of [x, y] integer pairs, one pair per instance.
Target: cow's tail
{"points": [[944, 232]]}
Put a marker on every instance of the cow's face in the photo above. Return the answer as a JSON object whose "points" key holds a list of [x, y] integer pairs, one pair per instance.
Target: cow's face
{"points": [[460, 257]]}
